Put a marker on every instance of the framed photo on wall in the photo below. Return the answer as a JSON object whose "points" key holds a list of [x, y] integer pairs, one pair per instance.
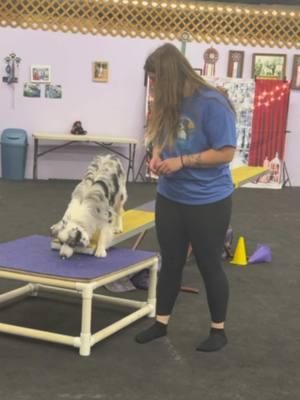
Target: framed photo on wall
{"points": [[32, 90], [53, 91], [100, 71], [295, 81], [235, 64], [269, 66], [40, 74]]}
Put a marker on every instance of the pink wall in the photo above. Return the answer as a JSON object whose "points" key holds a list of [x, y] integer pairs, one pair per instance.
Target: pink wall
{"points": [[115, 108]]}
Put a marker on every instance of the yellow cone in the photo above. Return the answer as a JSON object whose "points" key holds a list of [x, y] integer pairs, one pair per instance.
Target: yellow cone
{"points": [[240, 255]]}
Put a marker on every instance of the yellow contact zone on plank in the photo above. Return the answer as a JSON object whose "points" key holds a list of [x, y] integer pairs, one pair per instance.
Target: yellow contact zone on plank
{"points": [[241, 174], [132, 219]]}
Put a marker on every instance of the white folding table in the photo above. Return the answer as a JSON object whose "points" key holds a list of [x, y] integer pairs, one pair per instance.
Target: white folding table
{"points": [[107, 142]]}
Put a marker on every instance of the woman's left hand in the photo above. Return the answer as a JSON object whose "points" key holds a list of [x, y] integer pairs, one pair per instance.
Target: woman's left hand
{"points": [[169, 166]]}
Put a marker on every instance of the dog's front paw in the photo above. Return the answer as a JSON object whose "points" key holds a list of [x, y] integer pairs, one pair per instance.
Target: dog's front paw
{"points": [[117, 230], [101, 253], [54, 229]]}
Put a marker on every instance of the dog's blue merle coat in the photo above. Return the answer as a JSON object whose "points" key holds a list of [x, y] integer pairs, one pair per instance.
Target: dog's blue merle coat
{"points": [[103, 180], [96, 204]]}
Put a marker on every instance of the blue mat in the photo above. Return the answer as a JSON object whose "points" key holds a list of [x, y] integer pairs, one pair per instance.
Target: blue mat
{"points": [[33, 254]]}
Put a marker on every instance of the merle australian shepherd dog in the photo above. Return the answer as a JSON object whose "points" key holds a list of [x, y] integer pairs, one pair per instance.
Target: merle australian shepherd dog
{"points": [[95, 209]]}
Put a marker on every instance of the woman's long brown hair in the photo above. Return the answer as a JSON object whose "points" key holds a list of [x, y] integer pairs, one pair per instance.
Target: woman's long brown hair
{"points": [[173, 74]]}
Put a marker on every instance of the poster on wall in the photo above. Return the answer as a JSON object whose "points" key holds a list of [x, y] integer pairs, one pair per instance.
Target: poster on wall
{"points": [[241, 94]]}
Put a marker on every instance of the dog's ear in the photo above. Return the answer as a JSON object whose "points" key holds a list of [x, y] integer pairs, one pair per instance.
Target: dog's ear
{"points": [[84, 239]]}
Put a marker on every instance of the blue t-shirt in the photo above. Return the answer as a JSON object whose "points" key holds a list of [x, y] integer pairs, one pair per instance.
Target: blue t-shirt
{"points": [[206, 122]]}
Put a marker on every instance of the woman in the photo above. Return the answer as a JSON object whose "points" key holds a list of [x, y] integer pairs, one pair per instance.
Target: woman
{"points": [[192, 131]]}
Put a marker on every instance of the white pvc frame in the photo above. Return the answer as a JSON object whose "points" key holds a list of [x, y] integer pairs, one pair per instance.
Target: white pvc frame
{"points": [[86, 290]]}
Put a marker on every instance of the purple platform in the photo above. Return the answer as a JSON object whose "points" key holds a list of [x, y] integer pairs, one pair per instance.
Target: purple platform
{"points": [[33, 255]]}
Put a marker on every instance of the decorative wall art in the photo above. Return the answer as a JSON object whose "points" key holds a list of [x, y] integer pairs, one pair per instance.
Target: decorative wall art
{"points": [[40, 74], [100, 71], [12, 64], [235, 64], [185, 37], [269, 66], [211, 56], [295, 81]]}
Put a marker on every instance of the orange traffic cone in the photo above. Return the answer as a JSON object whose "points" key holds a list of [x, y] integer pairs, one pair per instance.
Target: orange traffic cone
{"points": [[240, 255]]}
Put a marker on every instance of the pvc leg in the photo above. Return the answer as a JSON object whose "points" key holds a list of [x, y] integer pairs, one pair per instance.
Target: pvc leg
{"points": [[152, 289], [86, 318]]}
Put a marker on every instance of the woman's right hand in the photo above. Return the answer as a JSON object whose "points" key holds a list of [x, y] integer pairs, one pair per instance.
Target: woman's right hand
{"points": [[154, 164]]}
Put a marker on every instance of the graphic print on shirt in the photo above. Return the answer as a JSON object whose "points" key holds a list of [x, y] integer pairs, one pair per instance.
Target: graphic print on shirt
{"points": [[185, 131]]}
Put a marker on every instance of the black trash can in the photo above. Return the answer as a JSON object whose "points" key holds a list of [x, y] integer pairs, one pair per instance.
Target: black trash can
{"points": [[14, 145]]}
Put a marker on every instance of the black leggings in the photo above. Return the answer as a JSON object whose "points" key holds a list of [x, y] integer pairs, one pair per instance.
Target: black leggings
{"points": [[203, 226]]}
